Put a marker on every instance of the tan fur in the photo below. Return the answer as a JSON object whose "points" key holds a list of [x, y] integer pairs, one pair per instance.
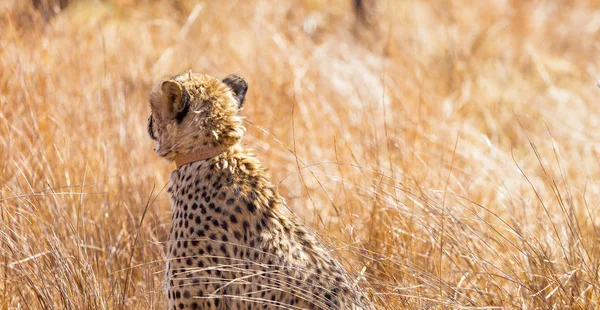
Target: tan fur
{"points": [[213, 117], [233, 242]]}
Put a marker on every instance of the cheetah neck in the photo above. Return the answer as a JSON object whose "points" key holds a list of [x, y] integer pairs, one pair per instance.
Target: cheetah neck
{"points": [[200, 155]]}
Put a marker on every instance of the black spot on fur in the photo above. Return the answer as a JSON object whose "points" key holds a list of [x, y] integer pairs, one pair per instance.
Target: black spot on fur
{"points": [[251, 207]]}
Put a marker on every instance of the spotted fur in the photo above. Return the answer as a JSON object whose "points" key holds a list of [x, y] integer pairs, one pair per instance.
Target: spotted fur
{"points": [[233, 242]]}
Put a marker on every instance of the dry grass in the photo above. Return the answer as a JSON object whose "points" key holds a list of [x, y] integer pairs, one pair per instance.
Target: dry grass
{"points": [[449, 153]]}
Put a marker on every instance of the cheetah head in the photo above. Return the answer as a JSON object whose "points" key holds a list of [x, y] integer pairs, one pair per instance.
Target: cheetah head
{"points": [[193, 111]]}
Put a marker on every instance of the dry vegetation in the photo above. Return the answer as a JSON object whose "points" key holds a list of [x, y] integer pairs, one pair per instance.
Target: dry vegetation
{"points": [[447, 149]]}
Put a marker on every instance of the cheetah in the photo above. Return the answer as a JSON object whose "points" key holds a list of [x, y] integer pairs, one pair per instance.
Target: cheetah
{"points": [[233, 242]]}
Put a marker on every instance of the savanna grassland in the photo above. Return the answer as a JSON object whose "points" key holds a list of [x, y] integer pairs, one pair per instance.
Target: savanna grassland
{"points": [[448, 151]]}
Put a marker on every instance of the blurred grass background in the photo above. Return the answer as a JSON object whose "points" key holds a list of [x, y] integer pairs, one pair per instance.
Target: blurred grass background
{"points": [[447, 150]]}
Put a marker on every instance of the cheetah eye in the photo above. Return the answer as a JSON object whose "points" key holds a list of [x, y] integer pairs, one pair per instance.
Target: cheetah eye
{"points": [[150, 129]]}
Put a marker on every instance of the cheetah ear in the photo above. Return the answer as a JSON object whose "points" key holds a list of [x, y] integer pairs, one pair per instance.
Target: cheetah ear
{"points": [[176, 99], [239, 87]]}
